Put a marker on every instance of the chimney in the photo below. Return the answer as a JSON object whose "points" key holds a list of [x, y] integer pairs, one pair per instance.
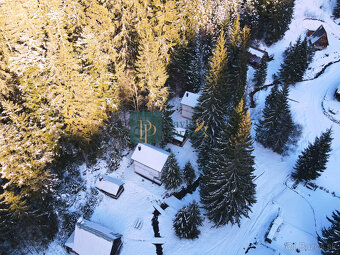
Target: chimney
{"points": [[139, 147], [187, 94]]}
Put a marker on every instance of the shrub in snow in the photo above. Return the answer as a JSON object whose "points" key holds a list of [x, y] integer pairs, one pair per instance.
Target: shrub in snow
{"points": [[187, 221]]}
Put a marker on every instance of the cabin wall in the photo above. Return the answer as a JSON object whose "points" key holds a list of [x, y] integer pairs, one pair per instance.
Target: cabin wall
{"points": [[187, 111], [147, 172]]}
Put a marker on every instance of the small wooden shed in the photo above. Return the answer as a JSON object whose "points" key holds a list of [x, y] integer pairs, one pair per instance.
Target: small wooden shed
{"points": [[149, 161], [110, 186], [180, 136], [90, 238], [255, 56], [318, 38], [188, 104]]}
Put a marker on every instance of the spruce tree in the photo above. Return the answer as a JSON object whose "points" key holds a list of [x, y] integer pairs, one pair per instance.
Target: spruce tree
{"points": [[189, 173], [171, 175], [227, 190], [211, 108], [168, 127], [297, 57], [187, 220], [261, 73], [314, 158], [336, 11], [236, 68], [276, 127], [329, 242]]}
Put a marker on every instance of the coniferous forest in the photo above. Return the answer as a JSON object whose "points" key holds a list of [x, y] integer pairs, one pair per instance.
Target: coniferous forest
{"points": [[71, 72]]}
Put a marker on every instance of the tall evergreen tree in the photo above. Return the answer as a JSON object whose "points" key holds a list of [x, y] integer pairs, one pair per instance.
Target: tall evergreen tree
{"points": [[189, 173], [227, 188], [314, 158], [168, 127], [297, 57], [276, 127], [211, 108], [329, 242], [336, 11], [171, 175], [261, 73], [187, 221], [151, 73], [277, 18], [236, 68]]}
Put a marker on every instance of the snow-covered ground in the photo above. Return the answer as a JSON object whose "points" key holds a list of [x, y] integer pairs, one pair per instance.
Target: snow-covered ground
{"points": [[303, 211]]}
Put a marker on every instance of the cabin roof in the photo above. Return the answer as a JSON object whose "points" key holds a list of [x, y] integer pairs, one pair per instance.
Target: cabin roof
{"points": [[190, 99], [91, 238], [150, 156], [274, 228], [317, 35], [109, 184], [256, 51], [179, 134]]}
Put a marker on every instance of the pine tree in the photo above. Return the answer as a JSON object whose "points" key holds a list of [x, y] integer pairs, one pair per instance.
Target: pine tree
{"points": [[277, 17], [187, 220], [189, 173], [211, 108], [171, 175], [276, 127], [236, 68], [297, 57], [250, 15], [168, 127], [151, 73], [227, 189], [261, 73], [314, 158], [336, 11], [329, 242]]}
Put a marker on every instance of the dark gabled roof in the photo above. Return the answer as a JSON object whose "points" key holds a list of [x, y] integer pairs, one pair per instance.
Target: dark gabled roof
{"points": [[320, 32]]}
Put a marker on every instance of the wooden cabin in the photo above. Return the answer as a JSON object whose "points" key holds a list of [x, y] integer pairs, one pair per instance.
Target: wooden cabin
{"points": [[337, 93], [318, 38], [110, 186], [180, 136], [149, 161], [90, 238], [255, 56], [188, 104]]}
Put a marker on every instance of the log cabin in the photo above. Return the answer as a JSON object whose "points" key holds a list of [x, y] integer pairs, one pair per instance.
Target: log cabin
{"points": [[90, 238], [149, 161], [188, 104]]}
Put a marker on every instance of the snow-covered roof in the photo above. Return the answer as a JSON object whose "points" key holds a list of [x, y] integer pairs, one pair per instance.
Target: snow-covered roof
{"points": [[256, 52], [108, 184], [190, 99], [317, 34], [91, 238], [150, 156], [276, 224], [179, 134]]}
